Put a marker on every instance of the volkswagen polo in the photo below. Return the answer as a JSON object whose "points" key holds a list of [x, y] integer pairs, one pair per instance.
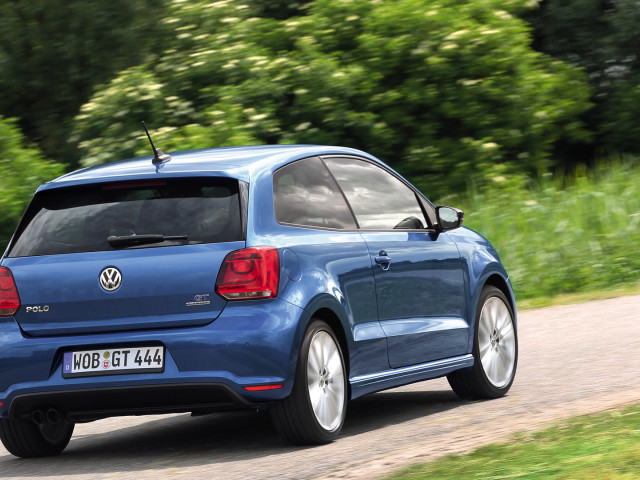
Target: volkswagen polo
{"points": [[288, 278]]}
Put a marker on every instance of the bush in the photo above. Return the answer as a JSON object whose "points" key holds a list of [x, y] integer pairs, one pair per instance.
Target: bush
{"points": [[22, 170]]}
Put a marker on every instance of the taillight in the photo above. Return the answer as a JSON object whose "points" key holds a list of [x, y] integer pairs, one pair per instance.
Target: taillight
{"points": [[9, 299], [250, 273]]}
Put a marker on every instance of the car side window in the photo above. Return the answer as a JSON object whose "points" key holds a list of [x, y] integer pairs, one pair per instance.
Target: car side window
{"points": [[379, 200], [305, 194]]}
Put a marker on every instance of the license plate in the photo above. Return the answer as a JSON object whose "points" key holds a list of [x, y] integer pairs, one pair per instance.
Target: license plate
{"points": [[111, 361]]}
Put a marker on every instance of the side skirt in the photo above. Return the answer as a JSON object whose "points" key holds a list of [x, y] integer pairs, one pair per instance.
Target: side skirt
{"points": [[374, 382]]}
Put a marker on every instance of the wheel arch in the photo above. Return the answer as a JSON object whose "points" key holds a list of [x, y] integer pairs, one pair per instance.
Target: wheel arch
{"points": [[501, 284], [496, 277], [331, 318], [329, 309]]}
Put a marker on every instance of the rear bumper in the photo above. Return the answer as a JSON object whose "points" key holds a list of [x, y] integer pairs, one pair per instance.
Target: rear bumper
{"points": [[206, 368], [94, 403]]}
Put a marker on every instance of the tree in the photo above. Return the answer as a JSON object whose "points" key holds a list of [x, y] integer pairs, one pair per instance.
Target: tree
{"points": [[53, 52], [22, 170], [443, 92], [603, 38]]}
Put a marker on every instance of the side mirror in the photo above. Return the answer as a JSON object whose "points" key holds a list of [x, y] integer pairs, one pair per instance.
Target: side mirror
{"points": [[448, 218]]}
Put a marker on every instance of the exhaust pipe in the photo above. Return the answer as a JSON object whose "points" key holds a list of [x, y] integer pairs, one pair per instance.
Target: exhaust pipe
{"points": [[37, 417], [53, 416]]}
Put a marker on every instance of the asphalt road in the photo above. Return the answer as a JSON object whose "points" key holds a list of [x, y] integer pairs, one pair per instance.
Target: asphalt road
{"points": [[573, 360]]}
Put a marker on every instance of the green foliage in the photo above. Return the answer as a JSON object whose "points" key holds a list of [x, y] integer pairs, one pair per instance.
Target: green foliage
{"points": [[575, 234], [277, 8], [603, 38], [441, 91], [603, 446], [53, 52], [22, 170], [619, 127]]}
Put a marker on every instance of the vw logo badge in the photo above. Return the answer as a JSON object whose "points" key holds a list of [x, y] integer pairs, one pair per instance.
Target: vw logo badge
{"points": [[110, 279]]}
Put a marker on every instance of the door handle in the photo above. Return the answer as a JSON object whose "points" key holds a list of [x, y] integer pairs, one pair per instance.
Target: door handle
{"points": [[383, 259]]}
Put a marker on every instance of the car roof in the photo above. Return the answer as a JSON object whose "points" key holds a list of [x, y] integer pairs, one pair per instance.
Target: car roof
{"points": [[235, 162]]}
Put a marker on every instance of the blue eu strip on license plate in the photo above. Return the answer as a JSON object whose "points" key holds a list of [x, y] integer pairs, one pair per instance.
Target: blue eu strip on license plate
{"points": [[111, 361]]}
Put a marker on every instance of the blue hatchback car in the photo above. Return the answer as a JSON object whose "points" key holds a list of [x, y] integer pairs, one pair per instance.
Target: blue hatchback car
{"points": [[289, 278]]}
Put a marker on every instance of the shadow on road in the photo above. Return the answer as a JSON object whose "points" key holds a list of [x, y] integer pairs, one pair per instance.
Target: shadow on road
{"points": [[184, 441]]}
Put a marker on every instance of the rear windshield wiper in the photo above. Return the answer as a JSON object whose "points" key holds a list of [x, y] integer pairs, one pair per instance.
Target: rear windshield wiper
{"points": [[133, 240]]}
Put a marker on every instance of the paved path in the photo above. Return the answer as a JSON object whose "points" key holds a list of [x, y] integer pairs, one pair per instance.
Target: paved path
{"points": [[573, 359]]}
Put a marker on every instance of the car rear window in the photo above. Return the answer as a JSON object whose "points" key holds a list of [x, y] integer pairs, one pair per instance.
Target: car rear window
{"points": [[80, 219]]}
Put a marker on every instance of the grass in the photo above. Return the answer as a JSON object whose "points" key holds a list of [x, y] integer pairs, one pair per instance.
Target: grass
{"points": [[581, 297], [563, 235], [600, 447]]}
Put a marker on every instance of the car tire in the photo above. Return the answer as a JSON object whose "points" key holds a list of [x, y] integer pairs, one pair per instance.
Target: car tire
{"points": [[24, 438], [495, 350], [314, 412]]}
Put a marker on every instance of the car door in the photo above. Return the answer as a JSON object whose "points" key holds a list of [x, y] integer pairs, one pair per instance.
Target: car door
{"points": [[418, 274]]}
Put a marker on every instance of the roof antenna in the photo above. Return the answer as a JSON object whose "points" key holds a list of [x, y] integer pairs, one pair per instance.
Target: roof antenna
{"points": [[158, 155]]}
